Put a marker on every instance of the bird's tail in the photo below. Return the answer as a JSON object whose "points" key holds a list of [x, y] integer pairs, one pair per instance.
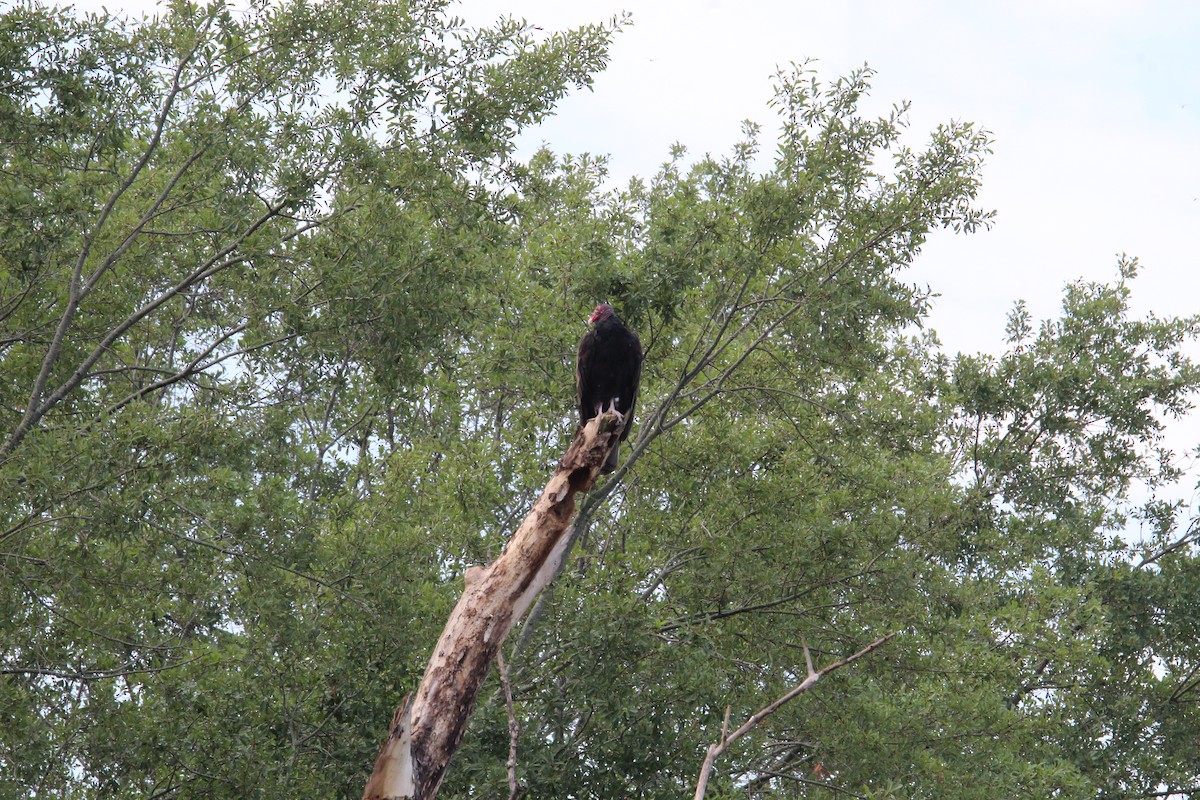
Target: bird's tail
{"points": [[610, 464]]}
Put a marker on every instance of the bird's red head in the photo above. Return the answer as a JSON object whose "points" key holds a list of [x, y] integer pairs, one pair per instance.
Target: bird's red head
{"points": [[603, 311]]}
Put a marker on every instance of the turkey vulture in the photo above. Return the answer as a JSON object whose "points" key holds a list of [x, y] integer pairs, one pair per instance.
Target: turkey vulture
{"points": [[608, 368]]}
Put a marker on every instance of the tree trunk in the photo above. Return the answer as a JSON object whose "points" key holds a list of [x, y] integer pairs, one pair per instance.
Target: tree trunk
{"points": [[429, 724]]}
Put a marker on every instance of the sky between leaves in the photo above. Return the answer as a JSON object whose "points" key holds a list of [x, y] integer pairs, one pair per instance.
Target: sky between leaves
{"points": [[1094, 106]]}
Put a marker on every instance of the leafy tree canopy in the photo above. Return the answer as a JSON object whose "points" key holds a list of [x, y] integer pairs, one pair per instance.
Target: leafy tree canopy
{"points": [[286, 342]]}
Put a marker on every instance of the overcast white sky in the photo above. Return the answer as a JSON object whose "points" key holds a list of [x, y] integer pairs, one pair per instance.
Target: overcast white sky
{"points": [[1094, 107]]}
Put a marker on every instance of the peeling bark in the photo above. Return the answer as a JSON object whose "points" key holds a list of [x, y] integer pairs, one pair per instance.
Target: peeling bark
{"points": [[428, 727]]}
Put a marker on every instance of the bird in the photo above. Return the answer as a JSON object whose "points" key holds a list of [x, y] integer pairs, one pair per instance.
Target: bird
{"points": [[608, 370]]}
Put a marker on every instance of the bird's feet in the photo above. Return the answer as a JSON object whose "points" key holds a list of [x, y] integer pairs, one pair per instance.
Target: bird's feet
{"points": [[612, 406]]}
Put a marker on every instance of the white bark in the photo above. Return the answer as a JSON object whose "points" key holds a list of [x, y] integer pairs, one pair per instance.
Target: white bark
{"points": [[715, 750], [427, 728]]}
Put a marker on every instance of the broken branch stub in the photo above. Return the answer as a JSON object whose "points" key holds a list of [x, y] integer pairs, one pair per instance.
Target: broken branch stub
{"points": [[428, 727]]}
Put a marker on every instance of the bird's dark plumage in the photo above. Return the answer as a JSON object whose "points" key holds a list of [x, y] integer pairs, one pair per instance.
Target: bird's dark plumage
{"points": [[608, 369]]}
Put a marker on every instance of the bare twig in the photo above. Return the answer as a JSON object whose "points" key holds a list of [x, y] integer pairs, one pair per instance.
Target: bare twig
{"points": [[92, 674], [715, 750], [514, 732], [1190, 537], [809, 782]]}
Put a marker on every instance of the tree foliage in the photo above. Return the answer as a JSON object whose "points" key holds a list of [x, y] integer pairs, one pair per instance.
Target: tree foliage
{"points": [[286, 332]]}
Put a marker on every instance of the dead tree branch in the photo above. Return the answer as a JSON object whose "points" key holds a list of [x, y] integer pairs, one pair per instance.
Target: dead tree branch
{"points": [[715, 750], [427, 728]]}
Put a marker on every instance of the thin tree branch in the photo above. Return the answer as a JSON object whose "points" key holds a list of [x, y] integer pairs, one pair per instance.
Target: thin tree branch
{"points": [[809, 782], [514, 732], [221, 260], [195, 367], [716, 750], [93, 674], [35, 408], [1192, 535]]}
